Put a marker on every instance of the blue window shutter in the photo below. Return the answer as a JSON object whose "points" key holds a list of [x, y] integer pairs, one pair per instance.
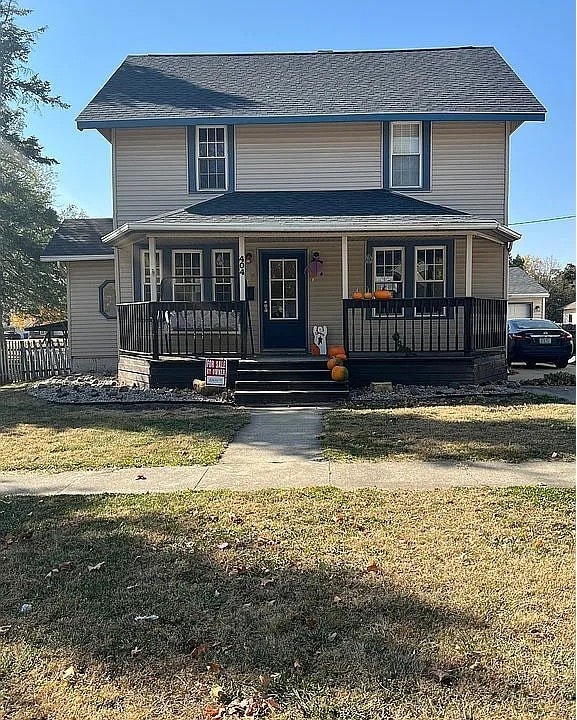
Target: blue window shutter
{"points": [[426, 155], [231, 180], [385, 145], [191, 146]]}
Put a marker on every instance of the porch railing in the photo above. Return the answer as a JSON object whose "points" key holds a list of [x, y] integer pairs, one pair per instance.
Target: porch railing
{"points": [[183, 329], [424, 325]]}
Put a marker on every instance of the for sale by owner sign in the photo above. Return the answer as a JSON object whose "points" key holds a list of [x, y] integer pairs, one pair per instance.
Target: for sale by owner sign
{"points": [[215, 372]]}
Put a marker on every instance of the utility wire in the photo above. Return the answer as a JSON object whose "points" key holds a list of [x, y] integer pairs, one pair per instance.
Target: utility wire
{"points": [[530, 222]]}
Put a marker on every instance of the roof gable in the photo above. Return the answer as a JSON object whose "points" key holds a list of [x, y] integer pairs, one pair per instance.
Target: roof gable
{"points": [[522, 284], [275, 86]]}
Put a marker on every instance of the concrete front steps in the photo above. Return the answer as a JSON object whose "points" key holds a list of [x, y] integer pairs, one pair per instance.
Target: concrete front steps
{"points": [[287, 381]]}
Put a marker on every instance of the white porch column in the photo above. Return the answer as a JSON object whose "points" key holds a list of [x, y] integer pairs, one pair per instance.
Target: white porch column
{"points": [[345, 265], [241, 268], [469, 265], [153, 268]]}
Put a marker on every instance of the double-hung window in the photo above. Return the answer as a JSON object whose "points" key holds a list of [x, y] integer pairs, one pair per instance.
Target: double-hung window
{"points": [[187, 275], [406, 155], [211, 158], [430, 272], [389, 270], [222, 278], [145, 275]]}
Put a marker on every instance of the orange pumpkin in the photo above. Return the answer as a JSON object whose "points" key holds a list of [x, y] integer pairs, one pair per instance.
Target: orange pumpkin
{"points": [[335, 350], [341, 356], [357, 295], [383, 294], [333, 362], [368, 295], [339, 373]]}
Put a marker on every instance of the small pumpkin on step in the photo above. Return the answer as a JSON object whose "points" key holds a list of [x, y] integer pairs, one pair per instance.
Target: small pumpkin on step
{"points": [[333, 362], [339, 373]]}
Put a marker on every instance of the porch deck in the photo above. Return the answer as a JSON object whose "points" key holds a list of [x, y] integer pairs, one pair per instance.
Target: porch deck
{"points": [[413, 341]]}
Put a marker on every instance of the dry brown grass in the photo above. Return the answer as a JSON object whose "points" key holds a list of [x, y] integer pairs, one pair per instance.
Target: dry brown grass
{"points": [[36, 435], [337, 605], [513, 431]]}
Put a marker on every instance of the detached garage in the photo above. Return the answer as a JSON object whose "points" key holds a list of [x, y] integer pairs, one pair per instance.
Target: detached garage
{"points": [[526, 298]]}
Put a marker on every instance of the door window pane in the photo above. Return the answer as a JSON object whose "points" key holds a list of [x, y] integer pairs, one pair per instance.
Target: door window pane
{"points": [[283, 289], [222, 281], [145, 269]]}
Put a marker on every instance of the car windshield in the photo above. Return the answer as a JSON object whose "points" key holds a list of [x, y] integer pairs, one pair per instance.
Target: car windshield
{"points": [[533, 325]]}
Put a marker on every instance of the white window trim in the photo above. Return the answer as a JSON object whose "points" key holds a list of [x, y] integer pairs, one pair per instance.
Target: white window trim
{"points": [[385, 248], [418, 248], [198, 158], [229, 252], [143, 284], [188, 252], [392, 125]]}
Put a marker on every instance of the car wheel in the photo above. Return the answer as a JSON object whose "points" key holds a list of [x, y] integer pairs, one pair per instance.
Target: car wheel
{"points": [[562, 364], [530, 365]]}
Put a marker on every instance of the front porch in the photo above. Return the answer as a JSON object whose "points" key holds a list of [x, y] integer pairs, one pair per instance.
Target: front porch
{"points": [[413, 341]]}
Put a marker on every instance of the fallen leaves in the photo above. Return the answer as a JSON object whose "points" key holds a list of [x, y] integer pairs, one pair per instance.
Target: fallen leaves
{"points": [[372, 567], [199, 651], [69, 673], [98, 566]]}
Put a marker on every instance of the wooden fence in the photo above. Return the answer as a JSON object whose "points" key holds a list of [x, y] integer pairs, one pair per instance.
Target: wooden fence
{"points": [[33, 360]]}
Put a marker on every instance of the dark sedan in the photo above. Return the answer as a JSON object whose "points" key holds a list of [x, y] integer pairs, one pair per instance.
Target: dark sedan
{"points": [[533, 341]]}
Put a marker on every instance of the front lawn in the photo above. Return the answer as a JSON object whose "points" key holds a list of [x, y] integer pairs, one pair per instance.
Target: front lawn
{"points": [[316, 604], [35, 435], [512, 430]]}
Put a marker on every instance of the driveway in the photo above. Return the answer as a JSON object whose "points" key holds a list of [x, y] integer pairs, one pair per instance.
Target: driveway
{"points": [[522, 373]]}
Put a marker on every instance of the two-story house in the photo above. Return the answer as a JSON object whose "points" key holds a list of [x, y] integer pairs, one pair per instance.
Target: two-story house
{"points": [[255, 196]]}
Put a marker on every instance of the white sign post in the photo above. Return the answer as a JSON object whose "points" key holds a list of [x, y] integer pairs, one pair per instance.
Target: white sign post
{"points": [[215, 372]]}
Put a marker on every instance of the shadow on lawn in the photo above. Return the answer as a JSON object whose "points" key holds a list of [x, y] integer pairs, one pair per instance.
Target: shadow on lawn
{"points": [[425, 438], [258, 611], [16, 408]]}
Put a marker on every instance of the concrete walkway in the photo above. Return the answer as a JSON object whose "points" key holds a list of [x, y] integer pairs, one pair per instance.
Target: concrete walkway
{"points": [[280, 449]]}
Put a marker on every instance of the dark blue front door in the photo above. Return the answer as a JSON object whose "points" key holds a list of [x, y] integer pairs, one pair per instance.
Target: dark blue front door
{"points": [[283, 300]]}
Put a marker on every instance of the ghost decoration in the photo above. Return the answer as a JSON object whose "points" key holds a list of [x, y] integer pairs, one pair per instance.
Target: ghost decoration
{"points": [[315, 268], [319, 340]]}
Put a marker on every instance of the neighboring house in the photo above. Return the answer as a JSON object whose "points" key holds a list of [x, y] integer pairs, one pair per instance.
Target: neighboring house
{"points": [[253, 194], [526, 296], [569, 314]]}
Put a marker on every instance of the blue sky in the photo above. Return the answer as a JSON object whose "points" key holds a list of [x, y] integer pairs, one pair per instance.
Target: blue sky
{"points": [[86, 41]]}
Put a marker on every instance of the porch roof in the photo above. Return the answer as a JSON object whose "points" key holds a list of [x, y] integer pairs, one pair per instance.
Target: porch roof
{"points": [[340, 211], [79, 239]]}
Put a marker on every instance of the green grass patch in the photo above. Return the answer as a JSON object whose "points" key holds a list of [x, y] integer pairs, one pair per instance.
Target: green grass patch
{"points": [[35, 435], [512, 431], [317, 604]]}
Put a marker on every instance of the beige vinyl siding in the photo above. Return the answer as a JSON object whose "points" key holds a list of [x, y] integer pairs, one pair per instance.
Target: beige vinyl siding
{"points": [[324, 294], [92, 337], [488, 269], [319, 156], [150, 172], [125, 273], [468, 168]]}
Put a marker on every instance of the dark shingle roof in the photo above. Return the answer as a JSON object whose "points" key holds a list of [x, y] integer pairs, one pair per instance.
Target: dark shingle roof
{"points": [[78, 237], [522, 284], [444, 80], [349, 208]]}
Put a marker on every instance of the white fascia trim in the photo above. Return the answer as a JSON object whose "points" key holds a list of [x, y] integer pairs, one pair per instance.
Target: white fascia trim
{"points": [[73, 258], [528, 296], [244, 228]]}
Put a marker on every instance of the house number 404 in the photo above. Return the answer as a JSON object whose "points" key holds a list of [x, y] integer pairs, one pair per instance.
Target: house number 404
{"points": [[241, 265]]}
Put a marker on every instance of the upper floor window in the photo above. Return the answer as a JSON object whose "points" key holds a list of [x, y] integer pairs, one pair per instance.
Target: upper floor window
{"points": [[187, 275], [406, 162], [211, 158], [145, 274]]}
